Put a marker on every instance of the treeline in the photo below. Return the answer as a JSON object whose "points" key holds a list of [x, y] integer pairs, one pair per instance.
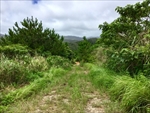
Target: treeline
{"points": [[36, 39], [125, 42]]}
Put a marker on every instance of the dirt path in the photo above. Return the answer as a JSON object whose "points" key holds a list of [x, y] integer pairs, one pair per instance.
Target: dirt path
{"points": [[73, 93]]}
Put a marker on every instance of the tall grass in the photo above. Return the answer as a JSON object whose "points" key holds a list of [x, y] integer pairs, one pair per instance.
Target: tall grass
{"points": [[23, 69], [19, 71], [11, 71], [133, 94], [101, 77], [33, 88]]}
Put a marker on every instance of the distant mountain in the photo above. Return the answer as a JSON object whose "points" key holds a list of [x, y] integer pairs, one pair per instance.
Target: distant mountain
{"points": [[92, 40], [1, 35], [72, 38]]}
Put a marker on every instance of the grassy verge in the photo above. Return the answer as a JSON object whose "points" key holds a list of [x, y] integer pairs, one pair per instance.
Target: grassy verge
{"points": [[132, 94], [33, 88]]}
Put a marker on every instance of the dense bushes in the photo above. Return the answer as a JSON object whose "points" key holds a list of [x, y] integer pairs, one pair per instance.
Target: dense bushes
{"points": [[127, 39], [22, 69], [19, 71], [12, 71]]}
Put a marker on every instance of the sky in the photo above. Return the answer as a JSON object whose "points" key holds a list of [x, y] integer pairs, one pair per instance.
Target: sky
{"points": [[66, 17]]}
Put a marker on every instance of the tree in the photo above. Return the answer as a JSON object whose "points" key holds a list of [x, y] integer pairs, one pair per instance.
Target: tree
{"points": [[127, 39], [37, 39], [84, 50]]}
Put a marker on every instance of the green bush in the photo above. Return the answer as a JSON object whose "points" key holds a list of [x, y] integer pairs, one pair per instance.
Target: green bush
{"points": [[37, 64], [21, 69], [128, 43], [58, 61], [11, 71], [13, 50], [84, 51]]}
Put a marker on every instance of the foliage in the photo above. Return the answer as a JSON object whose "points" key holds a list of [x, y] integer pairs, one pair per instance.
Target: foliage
{"points": [[39, 40], [127, 39], [11, 71], [84, 51], [57, 61], [21, 70], [13, 50], [37, 63], [99, 55]]}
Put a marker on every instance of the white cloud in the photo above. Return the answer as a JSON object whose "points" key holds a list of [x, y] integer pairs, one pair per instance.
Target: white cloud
{"points": [[80, 18]]}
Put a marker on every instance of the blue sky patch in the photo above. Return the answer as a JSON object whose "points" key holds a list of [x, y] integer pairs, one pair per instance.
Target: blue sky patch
{"points": [[35, 1]]}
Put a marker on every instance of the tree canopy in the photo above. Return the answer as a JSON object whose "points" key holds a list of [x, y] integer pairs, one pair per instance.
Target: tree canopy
{"points": [[33, 35]]}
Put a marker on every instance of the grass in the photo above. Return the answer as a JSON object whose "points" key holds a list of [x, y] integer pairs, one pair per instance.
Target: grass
{"points": [[74, 90], [131, 94], [68, 94], [32, 89]]}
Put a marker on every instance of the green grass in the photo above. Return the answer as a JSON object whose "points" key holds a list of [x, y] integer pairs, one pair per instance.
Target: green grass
{"points": [[132, 94], [32, 89], [69, 91]]}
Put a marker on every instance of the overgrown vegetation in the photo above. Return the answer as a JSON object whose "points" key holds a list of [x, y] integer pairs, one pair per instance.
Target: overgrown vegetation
{"points": [[132, 94], [127, 39], [33, 58], [33, 88]]}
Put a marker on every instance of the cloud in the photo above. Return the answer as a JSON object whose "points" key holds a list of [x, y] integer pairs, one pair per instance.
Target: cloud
{"points": [[80, 18]]}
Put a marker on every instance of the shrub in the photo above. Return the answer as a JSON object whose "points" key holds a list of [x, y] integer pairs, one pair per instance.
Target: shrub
{"points": [[21, 69], [57, 61], [13, 50], [37, 64], [11, 71]]}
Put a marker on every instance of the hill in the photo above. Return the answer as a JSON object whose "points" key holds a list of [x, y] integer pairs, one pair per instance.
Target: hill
{"points": [[1, 35], [72, 38]]}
